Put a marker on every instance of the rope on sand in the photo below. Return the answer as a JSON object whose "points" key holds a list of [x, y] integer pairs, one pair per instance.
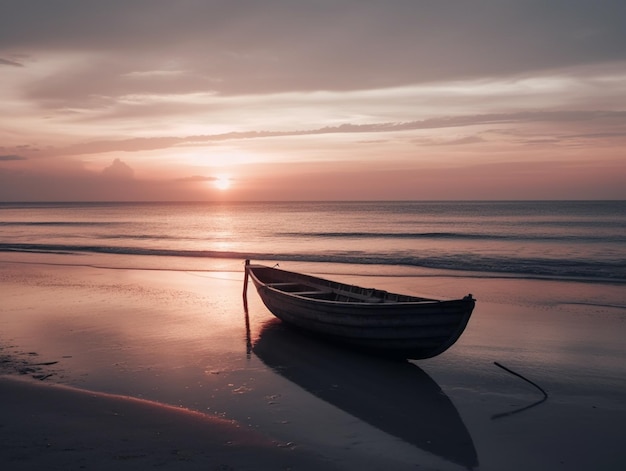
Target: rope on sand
{"points": [[545, 394]]}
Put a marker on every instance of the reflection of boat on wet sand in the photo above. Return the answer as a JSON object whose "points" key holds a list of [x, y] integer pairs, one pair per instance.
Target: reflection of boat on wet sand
{"points": [[398, 398], [391, 324]]}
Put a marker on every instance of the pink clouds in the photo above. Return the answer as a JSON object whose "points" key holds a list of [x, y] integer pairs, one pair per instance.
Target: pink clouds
{"points": [[393, 100]]}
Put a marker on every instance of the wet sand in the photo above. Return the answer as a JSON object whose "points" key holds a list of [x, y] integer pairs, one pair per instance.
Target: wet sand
{"points": [[118, 365], [57, 427]]}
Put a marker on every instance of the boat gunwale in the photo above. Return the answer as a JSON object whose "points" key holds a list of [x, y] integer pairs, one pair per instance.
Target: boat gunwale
{"points": [[379, 304], [386, 303]]}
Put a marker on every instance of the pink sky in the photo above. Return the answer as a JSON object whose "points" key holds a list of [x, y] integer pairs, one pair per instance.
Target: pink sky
{"points": [[356, 100]]}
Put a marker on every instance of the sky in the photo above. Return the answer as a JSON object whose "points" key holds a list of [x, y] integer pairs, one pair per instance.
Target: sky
{"points": [[139, 100]]}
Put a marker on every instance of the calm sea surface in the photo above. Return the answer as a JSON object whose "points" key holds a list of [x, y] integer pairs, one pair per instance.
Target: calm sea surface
{"points": [[566, 240]]}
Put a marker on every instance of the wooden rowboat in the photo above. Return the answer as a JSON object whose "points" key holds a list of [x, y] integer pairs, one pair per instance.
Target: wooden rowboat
{"points": [[385, 323]]}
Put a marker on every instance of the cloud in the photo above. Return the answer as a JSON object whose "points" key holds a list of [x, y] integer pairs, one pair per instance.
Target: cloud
{"points": [[155, 143], [449, 142], [252, 47], [7, 158], [10, 63], [118, 170], [195, 178]]}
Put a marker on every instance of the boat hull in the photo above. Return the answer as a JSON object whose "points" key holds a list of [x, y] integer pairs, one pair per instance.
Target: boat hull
{"points": [[415, 328]]}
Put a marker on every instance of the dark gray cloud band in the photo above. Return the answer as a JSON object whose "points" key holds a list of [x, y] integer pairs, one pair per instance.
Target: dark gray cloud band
{"points": [[244, 47]]}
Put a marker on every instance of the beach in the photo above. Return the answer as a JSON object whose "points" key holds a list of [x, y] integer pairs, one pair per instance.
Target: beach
{"points": [[127, 364]]}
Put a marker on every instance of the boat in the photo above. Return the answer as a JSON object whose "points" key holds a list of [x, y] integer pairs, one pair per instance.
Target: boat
{"points": [[377, 321]]}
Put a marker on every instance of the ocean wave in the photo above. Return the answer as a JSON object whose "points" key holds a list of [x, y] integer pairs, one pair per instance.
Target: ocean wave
{"points": [[579, 270], [390, 235], [58, 223], [458, 236]]}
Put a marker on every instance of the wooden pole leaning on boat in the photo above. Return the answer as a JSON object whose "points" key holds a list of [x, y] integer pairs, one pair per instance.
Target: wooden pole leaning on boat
{"points": [[245, 282], [245, 310]]}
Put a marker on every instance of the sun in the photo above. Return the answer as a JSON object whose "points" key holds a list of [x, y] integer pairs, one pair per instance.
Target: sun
{"points": [[222, 182]]}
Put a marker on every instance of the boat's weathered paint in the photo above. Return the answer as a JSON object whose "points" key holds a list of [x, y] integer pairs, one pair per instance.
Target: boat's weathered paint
{"points": [[388, 323]]}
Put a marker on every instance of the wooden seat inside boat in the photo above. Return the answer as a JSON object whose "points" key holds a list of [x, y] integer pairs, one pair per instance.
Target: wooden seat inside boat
{"points": [[300, 289], [323, 293], [291, 287]]}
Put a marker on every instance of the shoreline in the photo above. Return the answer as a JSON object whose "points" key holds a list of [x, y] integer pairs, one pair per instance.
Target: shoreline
{"points": [[228, 263], [178, 338]]}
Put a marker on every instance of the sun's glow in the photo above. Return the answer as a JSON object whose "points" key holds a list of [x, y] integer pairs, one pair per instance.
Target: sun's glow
{"points": [[222, 182]]}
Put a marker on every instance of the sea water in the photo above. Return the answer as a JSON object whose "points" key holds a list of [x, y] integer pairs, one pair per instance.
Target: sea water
{"points": [[578, 240]]}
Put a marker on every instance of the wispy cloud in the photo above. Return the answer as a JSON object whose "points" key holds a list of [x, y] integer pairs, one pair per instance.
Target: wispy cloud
{"points": [[10, 157], [156, 143], [10, 63], [195, 179]]}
